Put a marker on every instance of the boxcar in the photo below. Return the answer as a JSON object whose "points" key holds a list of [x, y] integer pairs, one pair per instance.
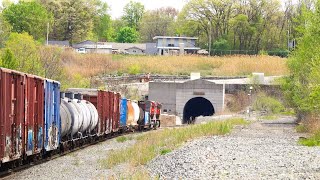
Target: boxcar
{"points": [[123, 113], [12, 115], [109, 109], [116, 112], [145, 117], [52, 130], [34, 114]]}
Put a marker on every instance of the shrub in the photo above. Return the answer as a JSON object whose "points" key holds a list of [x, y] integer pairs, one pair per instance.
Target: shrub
{"points": [[134, 69], [268, 104], [279, 52], [121, 139]]}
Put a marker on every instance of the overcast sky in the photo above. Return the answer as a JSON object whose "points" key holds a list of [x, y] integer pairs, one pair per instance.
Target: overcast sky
{"points": [[117, 5]]}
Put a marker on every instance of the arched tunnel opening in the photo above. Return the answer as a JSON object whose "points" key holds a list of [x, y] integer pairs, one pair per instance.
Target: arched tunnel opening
{"points": [[196, 107]]}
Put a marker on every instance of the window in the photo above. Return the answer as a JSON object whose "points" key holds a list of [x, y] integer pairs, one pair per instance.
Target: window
{"points": [[170, 45]]}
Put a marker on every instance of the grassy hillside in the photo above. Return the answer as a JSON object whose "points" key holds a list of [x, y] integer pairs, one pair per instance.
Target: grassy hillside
{"points": [[94, 64]]}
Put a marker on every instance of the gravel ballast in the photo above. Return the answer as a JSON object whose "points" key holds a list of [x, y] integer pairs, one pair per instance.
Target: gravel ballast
{"points": [[81, 164], [262, 150]]}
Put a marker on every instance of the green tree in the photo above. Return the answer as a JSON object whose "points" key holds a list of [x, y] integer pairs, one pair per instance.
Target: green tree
{"points": [[103, 28], [245, 24], [30, 17], [5, 29], [133, 12], [102, 23], [76, 20], [127, 35], [25, 50], [8, 60], [159, 22], [51, 61], [302, 87]]}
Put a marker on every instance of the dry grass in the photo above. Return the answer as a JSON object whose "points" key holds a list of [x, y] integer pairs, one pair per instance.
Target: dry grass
{"points": [[220, 66], [156, 143], [88, 65]]}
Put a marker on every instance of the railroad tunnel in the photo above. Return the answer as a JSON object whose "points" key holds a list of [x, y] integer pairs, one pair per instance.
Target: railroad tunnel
{"points": [[196, 107]]}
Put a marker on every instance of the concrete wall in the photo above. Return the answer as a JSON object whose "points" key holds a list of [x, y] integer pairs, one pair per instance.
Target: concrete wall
{"points": [[151, 49], [174, 96], [165, 93]]}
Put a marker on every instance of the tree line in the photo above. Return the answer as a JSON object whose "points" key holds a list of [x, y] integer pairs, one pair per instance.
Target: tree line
{"points": [[222, 24]]}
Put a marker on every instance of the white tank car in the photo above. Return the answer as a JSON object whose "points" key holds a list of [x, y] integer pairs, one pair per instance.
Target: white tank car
{"points": [[86, 116], [66, 119], [136, 111], [94, 116], [74, 111]]}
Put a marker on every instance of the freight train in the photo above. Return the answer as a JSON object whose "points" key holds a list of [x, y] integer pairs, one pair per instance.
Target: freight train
{"points": [[38, 121]]}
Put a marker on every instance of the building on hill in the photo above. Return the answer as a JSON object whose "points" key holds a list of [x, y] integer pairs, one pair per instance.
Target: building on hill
{"points": [[59, 43], [128, 48], [168, 45], [93, 47]]}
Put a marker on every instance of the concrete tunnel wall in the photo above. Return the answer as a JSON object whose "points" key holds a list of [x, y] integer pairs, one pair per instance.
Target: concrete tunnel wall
{"points": [[174, 96]]}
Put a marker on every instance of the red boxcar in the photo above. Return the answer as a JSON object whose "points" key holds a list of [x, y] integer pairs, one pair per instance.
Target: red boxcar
{"points": [[12, 97], [34, 114], [116, 112], [109, 109]]}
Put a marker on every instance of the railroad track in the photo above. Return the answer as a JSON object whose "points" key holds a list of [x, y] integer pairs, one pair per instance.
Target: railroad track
{"points": [[11, 171]]}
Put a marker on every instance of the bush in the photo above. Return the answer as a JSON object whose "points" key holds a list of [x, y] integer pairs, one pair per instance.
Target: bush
{"points": [[279, 52], [121, 139], [134, 69], [268, 104]]}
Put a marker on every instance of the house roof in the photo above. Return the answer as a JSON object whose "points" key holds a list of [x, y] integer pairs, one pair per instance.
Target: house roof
{"points": [[58, 43], [125, 46], [92, 45], [97, 46], [173, 37], [178, 48], [116, 46]]}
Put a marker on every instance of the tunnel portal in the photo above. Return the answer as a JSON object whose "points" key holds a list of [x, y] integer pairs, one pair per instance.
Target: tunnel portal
{"points": [[196, 107]]}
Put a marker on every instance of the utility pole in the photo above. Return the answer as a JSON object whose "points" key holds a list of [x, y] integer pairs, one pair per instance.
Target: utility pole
{"points": [[210, 30]]}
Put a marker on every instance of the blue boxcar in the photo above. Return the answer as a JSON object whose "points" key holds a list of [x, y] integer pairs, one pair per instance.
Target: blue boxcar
{"points": [[146, 118], [123, 112], [52, 118]]}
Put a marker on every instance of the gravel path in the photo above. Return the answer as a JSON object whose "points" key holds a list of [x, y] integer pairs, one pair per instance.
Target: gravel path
{"points": [[81, 164], [263, 150]]}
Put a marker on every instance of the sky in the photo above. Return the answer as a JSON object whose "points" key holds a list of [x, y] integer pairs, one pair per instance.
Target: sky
{"points": [[117, 5]]}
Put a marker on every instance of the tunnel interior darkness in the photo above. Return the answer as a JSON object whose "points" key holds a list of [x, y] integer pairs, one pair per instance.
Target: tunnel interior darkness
{"points": [[196, 107]]}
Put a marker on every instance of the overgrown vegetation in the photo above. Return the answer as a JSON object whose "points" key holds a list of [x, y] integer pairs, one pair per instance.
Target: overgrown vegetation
{"points": [[312, 141], [156, 143], [268, 104], [237, 102], [311, 124], [122, 139], [302, 87]]}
